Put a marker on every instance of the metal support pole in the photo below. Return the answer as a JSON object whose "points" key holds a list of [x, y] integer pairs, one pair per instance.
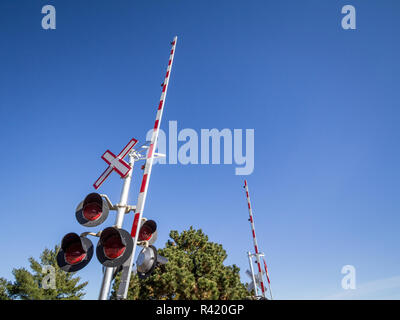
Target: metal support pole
{"points": [[108, 274], [252, 274]]}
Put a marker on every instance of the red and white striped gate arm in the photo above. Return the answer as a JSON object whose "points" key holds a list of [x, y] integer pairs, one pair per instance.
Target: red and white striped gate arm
{"points": [[126, 273], [254, 238], [269, 282], [152, 147]]}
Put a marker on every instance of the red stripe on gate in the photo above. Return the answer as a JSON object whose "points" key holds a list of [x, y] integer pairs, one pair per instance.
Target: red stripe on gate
{"points": [[172, 51], [143, 186], [248, 204], [165, 86], [156, 125], [266, 271], [160, 105], [169, 63], [135, 224], [251, 219], [262, 287], [255, 247], [150, 151], [259, 267], [167, 74], [254, 235]]}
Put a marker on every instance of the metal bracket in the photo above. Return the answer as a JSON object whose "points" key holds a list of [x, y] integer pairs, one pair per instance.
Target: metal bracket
{"points": [[137, 153], [111, 206], [85, 234], [127, 208], [143, 243], [159, 155], [261, 254]]}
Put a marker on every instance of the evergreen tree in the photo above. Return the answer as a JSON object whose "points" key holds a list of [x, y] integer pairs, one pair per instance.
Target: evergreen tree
{"points": [[37, 285], [4, 287], [195, 271]]}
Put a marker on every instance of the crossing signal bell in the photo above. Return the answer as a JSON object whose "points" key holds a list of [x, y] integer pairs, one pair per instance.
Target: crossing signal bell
{"points": [[75, 252]]}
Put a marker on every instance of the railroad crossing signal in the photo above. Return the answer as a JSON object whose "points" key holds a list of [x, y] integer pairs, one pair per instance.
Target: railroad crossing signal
{"points": [[114, 246], [259, 281], [116, 163]]}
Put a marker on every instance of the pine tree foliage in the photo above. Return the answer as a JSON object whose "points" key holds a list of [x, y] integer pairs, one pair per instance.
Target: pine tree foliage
{"points": [[4, 287], [30, 285], [195, 271]]}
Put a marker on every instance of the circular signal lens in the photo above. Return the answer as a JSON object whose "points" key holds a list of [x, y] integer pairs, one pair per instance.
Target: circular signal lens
{"points": [[113, 247], [74, 253], [145, 233], [92, 211]]}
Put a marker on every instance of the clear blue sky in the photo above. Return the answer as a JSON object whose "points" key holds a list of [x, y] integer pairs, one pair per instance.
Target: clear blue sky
{"points": [[324, 103]]}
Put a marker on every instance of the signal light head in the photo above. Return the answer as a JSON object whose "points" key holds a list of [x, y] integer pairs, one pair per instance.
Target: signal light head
{"points": [[92, 211], [75, 252], [148, 232], [114, 247]]}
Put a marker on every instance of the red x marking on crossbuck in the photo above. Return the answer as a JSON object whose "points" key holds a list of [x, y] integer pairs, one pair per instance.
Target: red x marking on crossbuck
{"points": [[116, 163]]}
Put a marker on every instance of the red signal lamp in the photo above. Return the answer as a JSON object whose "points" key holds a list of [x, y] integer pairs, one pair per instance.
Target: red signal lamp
{"points": [[114, 247], [148, 232], [75, 252], [92, 211]]}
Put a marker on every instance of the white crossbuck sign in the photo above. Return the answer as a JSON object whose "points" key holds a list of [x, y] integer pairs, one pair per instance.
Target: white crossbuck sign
{"points": [[116, 163]]}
